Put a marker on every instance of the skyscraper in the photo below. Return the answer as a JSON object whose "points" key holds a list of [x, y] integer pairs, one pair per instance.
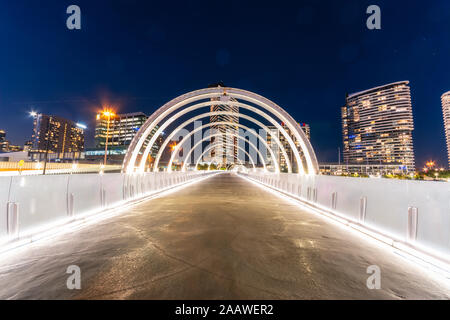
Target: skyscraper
{"points": [[120, 131], [3, 142], [274, 146], [446, 113], [122, 128], [377, 126], [227, 150], [57, 136]]}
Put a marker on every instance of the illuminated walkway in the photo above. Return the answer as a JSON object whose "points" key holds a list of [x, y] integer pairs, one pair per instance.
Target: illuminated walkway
{"points": [[223, 238]]}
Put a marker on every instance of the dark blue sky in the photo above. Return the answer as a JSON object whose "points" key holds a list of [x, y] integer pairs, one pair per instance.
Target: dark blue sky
{"points": [[304, 55]]}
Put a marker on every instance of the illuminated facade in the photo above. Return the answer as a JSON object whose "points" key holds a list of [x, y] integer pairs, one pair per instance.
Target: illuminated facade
{"points": [[377, 127], [227, 150], [122, 129], [446, 113], [3, 142], [281, 160], [62, 138]]}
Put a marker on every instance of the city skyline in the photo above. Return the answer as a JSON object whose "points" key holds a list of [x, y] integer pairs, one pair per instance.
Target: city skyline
{"points": [[308, 81], [93, 140]]}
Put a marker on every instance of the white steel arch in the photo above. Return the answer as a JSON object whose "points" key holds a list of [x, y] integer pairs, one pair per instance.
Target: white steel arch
{"points": [[209, 147], [176, 150], [230, 134], [240, 105], [294, 127], [206, 114], [218, 92]]}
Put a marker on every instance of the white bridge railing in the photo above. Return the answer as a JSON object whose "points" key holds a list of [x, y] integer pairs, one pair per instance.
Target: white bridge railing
{"points": [[414, 214], [32, 204]]}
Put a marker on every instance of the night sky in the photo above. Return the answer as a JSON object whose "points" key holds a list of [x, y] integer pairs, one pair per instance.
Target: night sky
{"points": [[303, 55]]}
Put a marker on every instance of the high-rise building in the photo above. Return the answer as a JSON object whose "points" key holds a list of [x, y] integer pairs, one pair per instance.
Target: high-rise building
{"points": [[274, 146], [59, 137], [3, 143], [306, 129], [377, 126], [120, 131], [227, 149], [446, 113], [122, 128]]}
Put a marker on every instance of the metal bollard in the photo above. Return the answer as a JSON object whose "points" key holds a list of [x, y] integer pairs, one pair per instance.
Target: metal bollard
{"points": [[413, 214], [103, 197], [13, 219], [70, 202], [362, 209], [334, 200]]}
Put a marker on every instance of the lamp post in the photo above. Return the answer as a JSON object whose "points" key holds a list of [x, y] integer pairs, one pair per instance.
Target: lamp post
{"points": [[172, 149], [108, 114]]}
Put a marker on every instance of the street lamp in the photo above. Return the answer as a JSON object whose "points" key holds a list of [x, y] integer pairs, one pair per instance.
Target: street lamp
{"points": [[430, 164], [108, 114]]}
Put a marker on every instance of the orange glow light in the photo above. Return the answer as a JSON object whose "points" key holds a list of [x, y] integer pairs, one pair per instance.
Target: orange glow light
{"points": [[430, 164], [107, 112]]}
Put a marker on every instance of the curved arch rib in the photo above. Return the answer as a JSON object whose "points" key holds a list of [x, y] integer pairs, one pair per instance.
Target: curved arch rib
{"points": [[203, 115], [176, 150], [166, 109], [230, 134], [241, 105], [310, 156]]}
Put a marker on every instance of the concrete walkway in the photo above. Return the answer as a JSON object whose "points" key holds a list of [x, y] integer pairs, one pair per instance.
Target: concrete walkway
{"points": [[222, 238]]}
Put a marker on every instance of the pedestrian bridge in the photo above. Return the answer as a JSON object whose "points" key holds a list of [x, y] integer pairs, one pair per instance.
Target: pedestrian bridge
{"points": [[156, 230], [219, 235]]}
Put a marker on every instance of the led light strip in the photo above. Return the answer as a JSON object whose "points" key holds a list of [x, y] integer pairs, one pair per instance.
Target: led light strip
{"points": [[412, 255], [66, 226]]}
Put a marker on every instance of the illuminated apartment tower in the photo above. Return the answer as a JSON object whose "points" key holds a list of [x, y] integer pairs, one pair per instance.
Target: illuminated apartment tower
{"points": [[446, 112], [59, 137], [377, 126], [3, 142], [227, 150], [287, 147]]}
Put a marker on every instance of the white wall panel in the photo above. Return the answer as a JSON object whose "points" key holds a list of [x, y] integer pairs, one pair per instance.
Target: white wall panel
{"points": [[42, 199], [388, 201], [113, 185], [86, 190], [4, 193]]}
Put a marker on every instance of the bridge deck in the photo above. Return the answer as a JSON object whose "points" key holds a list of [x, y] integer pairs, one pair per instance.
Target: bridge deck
{"points": [[220, 238]]}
